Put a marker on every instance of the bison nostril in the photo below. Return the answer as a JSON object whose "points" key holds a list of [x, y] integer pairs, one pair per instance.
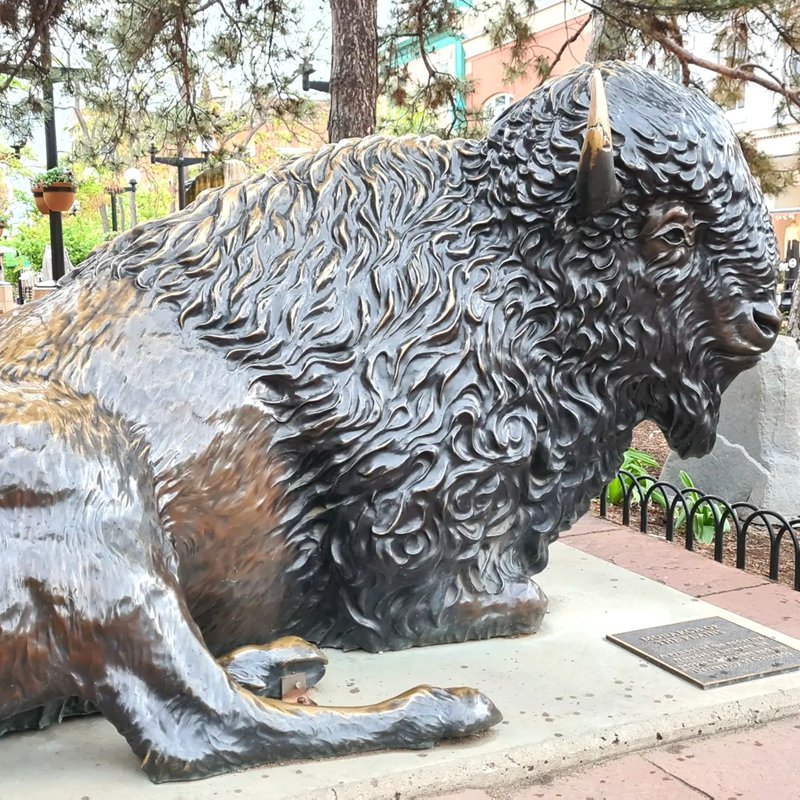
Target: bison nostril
{"points": [[768, 319]]}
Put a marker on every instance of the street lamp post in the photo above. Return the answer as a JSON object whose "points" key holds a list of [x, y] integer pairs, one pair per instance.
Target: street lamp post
{"points": [[51, 75], [132, 176], [181, 162], [51, 151], [113, 191], [320, 86]]}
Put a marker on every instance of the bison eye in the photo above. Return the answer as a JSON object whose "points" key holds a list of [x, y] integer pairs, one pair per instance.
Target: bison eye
{"points": [[668, 234], [674, 235]]}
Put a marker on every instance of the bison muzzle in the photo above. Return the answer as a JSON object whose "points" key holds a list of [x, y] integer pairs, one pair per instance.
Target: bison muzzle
{"points": [[353, 400]]}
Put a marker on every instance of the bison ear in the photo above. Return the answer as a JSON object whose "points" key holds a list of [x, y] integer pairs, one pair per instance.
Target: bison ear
{"points": [[597, 187]]}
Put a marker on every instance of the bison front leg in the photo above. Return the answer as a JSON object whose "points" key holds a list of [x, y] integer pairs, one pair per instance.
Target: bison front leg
{"points": [[91, 607], [502, 602], [261, 669], [420, 570], [185, 718]]}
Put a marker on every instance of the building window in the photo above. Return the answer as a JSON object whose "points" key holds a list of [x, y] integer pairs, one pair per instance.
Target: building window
{"points": [[730, 94], [731, 45], [496, 105]]}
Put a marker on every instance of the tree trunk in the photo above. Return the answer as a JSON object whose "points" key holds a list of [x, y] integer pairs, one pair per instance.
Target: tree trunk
{"points": [[609, 38], [354, 68]]}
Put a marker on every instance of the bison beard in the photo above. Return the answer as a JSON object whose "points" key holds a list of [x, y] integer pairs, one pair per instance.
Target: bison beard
{"points": [[428, 357]]}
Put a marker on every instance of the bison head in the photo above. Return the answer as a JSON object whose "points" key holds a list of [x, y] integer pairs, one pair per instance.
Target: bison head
{"points": [[634, 202]]}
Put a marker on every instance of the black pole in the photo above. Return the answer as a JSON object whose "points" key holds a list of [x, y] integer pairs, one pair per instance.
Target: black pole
{"points": [[113, 212], [51, 148], [181, 163], [181, 184], [132, 190]]}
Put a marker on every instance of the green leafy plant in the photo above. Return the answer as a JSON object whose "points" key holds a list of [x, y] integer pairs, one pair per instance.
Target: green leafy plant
{"points": [[29, 242], [55, 175], [705, 515], [637, 464], [82, 234], [11, 268]]}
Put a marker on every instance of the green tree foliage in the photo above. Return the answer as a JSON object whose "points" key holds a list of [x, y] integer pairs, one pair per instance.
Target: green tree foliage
{"points": [[148, 69], [748, 34], [137, 69], [82, 233]]}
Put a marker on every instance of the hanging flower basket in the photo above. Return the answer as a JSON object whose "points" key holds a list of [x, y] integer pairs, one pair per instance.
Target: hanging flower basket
{"points": [[38, 198], [58, 189], [59, 196]]}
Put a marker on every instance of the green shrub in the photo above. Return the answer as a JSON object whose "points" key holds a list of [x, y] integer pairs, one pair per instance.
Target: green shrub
{"points": [[81, 236], [636, 463], [11, 269], [29, 241]]}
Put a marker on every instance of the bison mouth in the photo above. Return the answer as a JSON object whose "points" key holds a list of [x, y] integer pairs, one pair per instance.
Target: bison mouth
{"points": [[690, 414]]}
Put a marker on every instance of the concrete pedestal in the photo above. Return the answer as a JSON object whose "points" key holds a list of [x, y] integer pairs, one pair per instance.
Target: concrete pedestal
{"points": [[569, 697], [41, 290]]}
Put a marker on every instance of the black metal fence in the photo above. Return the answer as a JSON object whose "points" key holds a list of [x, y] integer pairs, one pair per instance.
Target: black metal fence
{"points": [[684, 507]]}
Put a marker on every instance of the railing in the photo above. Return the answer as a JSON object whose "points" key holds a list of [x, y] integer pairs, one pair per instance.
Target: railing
{"points": [[732, 522]]}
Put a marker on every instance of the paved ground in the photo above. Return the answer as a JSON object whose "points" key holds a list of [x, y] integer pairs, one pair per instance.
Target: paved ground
{"points": [[754, 763], [759, 599], [570, 699]]}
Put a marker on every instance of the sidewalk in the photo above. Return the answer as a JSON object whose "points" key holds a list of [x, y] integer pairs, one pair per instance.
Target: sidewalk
{"points": [[753, 763], [756, 598], [583, 718]]}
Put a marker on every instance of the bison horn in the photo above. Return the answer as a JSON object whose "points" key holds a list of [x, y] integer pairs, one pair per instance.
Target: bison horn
{"points": [[597, 187]]}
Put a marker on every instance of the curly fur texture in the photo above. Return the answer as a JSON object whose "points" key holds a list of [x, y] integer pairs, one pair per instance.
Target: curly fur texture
{"points": [[453, 359]]}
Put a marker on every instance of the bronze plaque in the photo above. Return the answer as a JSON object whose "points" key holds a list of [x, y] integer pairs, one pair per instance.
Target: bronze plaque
{"points": [[710, 652]]}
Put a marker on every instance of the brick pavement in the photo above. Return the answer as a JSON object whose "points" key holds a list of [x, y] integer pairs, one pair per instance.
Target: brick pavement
{"points": [[755, 763]]}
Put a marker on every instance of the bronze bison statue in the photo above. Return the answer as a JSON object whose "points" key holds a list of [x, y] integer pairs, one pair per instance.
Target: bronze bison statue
{"points": [[353, 400]]}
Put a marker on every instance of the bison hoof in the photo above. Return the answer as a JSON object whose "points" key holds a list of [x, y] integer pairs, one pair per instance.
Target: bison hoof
{"points": [[518, 610], [447, 714], [264, 669], [527, 604]]}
